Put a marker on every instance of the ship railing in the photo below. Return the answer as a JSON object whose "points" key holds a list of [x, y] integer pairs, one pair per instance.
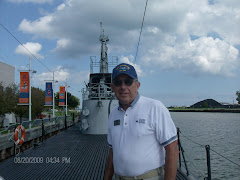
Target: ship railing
{"points": [[99, 87], [94, 63], [105, 95], [97, 91], [98, 96], [208, 157]]}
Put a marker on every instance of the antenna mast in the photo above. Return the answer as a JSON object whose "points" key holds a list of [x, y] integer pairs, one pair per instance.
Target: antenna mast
{"points": [[104, 57]]}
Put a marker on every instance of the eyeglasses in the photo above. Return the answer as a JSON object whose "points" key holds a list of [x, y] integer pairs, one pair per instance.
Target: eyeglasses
{"points": [[127, 82]]}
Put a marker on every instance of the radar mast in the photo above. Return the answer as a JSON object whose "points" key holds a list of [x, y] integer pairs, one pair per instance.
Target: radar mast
{"points": [[104, 56]]}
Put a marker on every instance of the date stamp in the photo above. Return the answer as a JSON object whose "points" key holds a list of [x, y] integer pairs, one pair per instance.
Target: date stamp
{"points": [[48, 160], [28, 160]]}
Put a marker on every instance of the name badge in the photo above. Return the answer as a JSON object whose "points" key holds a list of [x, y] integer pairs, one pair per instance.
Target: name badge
{"points": [[117, 122]]}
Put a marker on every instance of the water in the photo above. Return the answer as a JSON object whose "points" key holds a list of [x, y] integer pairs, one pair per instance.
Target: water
{"points": [[219, 130]]}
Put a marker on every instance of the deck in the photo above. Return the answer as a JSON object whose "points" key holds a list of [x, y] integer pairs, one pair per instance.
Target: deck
{"points": [[68, 155]]}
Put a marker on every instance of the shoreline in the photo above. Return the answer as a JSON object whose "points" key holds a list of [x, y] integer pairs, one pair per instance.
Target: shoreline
{"points": [[206, 110]]}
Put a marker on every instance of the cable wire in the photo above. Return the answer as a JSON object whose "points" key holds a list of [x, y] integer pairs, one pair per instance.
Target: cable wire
{"points": [[24, 47], [193, 141], [141, 31], [3, 59], [29, 51], [211, 150], [194, 166], [225, 157]]}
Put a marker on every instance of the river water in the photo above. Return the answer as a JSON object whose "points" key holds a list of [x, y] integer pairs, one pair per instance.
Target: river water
{"points": [[219, 130]]}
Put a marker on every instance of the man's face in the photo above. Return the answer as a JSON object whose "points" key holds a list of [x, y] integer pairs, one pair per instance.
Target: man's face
{"points": [[125, 93]]}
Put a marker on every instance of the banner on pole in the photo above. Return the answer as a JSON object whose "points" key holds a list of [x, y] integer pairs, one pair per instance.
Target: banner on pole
{"points": [[24, 88], [49, 94], [62, 96]]}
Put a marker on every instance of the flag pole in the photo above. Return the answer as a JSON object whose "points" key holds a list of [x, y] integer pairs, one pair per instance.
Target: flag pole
{"points": [[30, 99], [66, 96], [53, 98]]}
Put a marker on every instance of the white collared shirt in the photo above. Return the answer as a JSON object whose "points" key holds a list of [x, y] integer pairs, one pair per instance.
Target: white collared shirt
{"points": [[138, 136]]}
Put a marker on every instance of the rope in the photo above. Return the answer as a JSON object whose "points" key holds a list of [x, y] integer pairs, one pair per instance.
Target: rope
{"points": [[195, 166], [56, 76], [24, 47], [141, 31], [225, 157], [211, 150], [3, 59], [192, 140]]}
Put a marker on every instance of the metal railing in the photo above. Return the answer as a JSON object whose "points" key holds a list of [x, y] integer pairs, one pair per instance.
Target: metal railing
{"points": [[94, 63]]}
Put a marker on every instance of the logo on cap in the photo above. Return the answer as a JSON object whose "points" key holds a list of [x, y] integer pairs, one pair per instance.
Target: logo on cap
{"points": [[123, 67]]}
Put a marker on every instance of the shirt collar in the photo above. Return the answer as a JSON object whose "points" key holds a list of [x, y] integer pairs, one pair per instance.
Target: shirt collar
{"points": [[133, 103]]}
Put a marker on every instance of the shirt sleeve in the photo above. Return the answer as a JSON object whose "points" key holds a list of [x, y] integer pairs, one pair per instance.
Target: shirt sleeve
{"points": [[165, 128]]}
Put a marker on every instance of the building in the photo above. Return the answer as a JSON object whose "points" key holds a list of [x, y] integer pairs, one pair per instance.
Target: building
{"points": [[7, 74], [7, 77]]}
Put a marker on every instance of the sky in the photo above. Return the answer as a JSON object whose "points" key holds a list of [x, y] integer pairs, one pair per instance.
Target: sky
{"points": [[189, 50]]}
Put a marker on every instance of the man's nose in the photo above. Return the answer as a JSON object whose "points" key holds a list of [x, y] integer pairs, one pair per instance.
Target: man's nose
{"points": [[123, 85]]}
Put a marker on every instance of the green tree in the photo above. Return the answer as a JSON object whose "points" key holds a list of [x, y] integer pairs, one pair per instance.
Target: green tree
{"points": [[238, 96], [205, 104], [38, 101], [11, 97], [21, 111], [73, 101], [2, 101], [8, 99]]}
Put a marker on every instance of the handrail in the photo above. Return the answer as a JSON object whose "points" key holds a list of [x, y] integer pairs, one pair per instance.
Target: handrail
{"points": [[181, 150], [208, 149]]}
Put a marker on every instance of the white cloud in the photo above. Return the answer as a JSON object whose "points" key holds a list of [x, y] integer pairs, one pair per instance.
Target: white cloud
{"points": [[137, 67], [31, 1], [34, 48], [39, 27], [204, 55], [61, 7], [78, 78], [60, 75], [165, 37]]}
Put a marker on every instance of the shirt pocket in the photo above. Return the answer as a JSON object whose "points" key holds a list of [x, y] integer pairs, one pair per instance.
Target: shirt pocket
{"points": [[141, 127]]}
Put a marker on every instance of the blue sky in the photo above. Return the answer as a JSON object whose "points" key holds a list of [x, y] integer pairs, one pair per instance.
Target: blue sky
{"points": [[189, 50]]}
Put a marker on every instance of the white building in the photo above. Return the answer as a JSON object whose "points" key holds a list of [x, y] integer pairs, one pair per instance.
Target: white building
{"points": [[7, 74], [7, 77]]}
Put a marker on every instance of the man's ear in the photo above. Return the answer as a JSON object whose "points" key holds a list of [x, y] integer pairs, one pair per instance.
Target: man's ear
{"points": [[138, 85], [112, 86]]}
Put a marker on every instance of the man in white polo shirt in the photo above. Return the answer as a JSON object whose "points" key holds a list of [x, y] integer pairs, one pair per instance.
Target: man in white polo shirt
{"points": [[141, 134]]}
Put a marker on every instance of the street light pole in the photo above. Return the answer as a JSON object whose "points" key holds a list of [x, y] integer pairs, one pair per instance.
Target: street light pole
{"points": [[30, 95], [66, 96], [53, 98], [30, 71]]}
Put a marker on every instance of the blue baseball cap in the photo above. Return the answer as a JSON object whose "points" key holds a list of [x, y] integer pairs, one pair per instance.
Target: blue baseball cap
{"points": [[124, 68]]}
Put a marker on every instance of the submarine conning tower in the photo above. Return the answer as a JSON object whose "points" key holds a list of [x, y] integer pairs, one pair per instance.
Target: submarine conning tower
{"points": [[98, 97]]}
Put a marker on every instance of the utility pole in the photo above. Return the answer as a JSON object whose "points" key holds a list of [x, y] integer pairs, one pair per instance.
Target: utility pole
{"points": [[30, 71], [66, 96], [53, 98], [30, 94]]}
